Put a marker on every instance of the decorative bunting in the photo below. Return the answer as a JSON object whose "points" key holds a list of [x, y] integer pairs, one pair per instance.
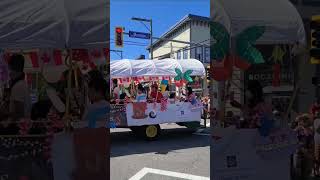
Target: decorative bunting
{"points": [[164, 105], [57, 56]]}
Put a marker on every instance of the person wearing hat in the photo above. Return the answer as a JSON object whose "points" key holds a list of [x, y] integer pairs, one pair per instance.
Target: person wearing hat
{"points": [[19, 98]]}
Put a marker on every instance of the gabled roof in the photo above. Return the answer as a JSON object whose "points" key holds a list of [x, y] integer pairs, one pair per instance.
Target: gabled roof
{"points": [[179, 24]]}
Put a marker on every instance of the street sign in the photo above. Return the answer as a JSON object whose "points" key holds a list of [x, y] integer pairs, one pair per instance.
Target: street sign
{"points": [[140, 35]]}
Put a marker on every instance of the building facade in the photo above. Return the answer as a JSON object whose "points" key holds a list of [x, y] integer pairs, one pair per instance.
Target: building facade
{"points": [[189, 38]]}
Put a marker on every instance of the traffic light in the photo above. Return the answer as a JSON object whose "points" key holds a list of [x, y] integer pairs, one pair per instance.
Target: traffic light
{"points": [[119, 36], [315, 40]]}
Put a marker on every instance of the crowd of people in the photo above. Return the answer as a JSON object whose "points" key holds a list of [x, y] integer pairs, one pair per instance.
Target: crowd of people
{"points": [[16, 102], [148, 93], [306, 160]]}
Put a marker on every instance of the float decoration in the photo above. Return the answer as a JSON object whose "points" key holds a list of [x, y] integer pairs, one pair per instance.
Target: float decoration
{"points": [[246, 53], [183, 76], [277, 57], [164, 105]]}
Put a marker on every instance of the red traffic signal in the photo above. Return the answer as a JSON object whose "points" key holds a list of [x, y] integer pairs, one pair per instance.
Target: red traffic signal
{"points": [[119, 30], [119, 36]]}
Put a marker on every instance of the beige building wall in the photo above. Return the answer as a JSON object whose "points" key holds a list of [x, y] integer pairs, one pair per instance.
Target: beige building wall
{"points": [[200, 32], [165, 48]]}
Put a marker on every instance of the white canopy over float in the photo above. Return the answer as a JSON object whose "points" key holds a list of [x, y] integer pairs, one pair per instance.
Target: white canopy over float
{"points": [[155, 68], [284, 24], [29, 24]]}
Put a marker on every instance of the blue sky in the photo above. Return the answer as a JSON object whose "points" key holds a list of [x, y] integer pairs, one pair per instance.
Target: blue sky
{"points": [[164, 13]]}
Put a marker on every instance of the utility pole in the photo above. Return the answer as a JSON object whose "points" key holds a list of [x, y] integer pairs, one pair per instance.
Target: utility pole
{"points": [[150, 30], [171, 51], [151, 39]]}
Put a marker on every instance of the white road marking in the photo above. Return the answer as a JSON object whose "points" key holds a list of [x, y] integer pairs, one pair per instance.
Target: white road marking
{"points": [[145, 171]]}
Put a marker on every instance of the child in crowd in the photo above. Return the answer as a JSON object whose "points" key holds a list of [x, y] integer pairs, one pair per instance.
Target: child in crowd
{"points": [[98, 109]]}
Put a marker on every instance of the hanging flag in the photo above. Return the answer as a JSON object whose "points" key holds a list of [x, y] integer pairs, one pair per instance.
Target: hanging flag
{"points": [[34, 59], [106, 53], [80, 55], [124, 80], [6, 56], [4, 72], [57, 56]]}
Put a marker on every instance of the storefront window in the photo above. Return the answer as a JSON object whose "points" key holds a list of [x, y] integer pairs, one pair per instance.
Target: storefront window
{"points": [[179, 55], [207, 55], [199, 53], [185, 54]]}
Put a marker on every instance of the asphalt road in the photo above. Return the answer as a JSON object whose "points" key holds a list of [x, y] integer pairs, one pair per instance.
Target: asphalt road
{"points": [[177, 155]]}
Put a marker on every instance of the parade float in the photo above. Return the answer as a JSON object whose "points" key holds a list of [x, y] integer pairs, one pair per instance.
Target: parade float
{"points": [[60, 41], [238, 31], [144, 118]]}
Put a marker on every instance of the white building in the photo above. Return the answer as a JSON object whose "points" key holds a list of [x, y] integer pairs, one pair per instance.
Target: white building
{"points": [[192, 29]]}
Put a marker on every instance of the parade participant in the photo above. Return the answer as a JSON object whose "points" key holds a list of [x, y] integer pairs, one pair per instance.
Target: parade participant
{"points": [[19, 99], [155, 94], [98, 109], [172, 98], [190, 95], [116, 89], [141, 96], [255, 107], [166, 92], [315, 107]]}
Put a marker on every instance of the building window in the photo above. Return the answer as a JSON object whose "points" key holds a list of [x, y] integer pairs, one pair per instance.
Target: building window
{"points": [[193, 53], [179, 55], [185, 54], [199, 53], [207, 55]]}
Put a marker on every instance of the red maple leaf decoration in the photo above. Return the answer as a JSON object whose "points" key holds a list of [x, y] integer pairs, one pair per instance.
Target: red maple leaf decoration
{"points": [[222, 71]]}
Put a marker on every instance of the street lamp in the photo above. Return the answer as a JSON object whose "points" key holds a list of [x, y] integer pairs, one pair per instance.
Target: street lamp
{"points": [[150, 30]]}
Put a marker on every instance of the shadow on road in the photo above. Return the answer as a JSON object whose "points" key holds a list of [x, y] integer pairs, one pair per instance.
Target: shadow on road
{"points": [[126, 143]]}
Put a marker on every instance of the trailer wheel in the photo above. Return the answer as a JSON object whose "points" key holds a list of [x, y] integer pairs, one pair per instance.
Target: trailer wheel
{"points": [[151, 132]]}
